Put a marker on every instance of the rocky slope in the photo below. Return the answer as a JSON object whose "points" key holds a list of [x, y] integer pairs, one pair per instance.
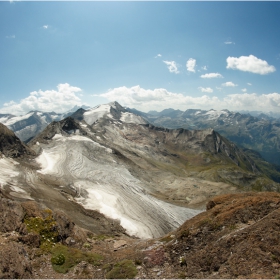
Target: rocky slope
{"points": [[260, 133], [174, 162], [237, 237]]}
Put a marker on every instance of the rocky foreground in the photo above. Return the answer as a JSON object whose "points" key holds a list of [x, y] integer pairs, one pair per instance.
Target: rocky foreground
{"points": [[236, 237]]}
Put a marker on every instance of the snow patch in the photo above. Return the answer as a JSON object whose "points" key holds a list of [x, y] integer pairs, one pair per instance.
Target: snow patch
{"points": [[96, 113], [8, 170], [131, 118]]}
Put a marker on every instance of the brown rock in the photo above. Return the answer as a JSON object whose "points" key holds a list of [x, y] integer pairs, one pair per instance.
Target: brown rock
{"points": [[14, 262], [11, 216]]}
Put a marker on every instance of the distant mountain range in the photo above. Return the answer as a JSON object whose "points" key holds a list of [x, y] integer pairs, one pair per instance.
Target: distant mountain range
{"points": [[29, 125], [260, 133]]}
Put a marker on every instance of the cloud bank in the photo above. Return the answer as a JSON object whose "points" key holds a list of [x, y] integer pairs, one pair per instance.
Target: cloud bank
{"points": [[250, 64], [159, 99], [59, 101]]}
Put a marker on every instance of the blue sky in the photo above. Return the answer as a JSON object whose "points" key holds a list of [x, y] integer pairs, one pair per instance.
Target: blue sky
{"points": [[146, 55]]}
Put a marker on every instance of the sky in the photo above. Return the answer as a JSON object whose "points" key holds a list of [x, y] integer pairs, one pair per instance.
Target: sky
{"points": [[145, 55]]}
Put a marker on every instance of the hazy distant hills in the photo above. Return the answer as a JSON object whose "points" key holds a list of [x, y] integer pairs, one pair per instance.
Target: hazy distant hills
{"points": [[260, 132]]}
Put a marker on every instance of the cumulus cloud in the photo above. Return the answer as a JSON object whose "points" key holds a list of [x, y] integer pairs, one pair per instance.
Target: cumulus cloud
{"points": [[172, 67], [249, 84], [244, 89], [159, 99], [204, 68], [250, 64], [211, 75], [208, 89], [59, 101], [45, 26], [191, 63], [229, 84], [158, 55]]}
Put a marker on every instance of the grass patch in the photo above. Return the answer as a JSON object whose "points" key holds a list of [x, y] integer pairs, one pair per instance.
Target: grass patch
{"points": [[63, 258], [101, 237], [122, 270]]}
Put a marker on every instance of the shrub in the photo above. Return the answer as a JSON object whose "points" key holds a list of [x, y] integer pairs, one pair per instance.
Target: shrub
{"points": [[58, 260], [122, 270], [45, 227], [72, 257]]}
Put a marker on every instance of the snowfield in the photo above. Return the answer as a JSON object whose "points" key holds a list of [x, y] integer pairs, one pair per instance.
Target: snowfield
{"points": [[96, 113], [131, 118], [104, 185]]}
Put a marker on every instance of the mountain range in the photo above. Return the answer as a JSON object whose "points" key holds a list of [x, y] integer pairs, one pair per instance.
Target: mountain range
{"points": [[103, 191]]}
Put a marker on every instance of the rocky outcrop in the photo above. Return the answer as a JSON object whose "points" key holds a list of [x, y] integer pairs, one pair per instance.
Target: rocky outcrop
{"points": [[11, 216], [14, 262]]}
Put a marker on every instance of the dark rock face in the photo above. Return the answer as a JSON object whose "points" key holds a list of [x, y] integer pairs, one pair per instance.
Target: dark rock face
{"points": [[10, 144], [65, 127], [64, 225]]}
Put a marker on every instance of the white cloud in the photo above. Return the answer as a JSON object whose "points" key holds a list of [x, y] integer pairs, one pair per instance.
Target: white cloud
{"points": [[172, 67], [250, 64], [191, 63], [45, 26], [244, 89], [11, 36], [59, 101], [229, 84], [211, 75], [159, 99], [204, 68], [249, 84], [208, 89], [229, 43], [158, 55]]}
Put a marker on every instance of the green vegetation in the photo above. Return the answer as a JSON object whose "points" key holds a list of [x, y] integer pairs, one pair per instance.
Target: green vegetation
{"points": [[101, 237], [63, 258], [124, 269], [58, 260], [45, 227]]}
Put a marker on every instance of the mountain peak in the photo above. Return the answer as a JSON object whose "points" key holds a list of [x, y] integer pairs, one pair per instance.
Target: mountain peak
{"points": [[10, 144], [113, 111]]}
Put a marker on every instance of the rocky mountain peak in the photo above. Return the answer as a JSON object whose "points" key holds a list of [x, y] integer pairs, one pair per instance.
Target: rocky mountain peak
{"points": [[10, 144], [64, 127]]}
